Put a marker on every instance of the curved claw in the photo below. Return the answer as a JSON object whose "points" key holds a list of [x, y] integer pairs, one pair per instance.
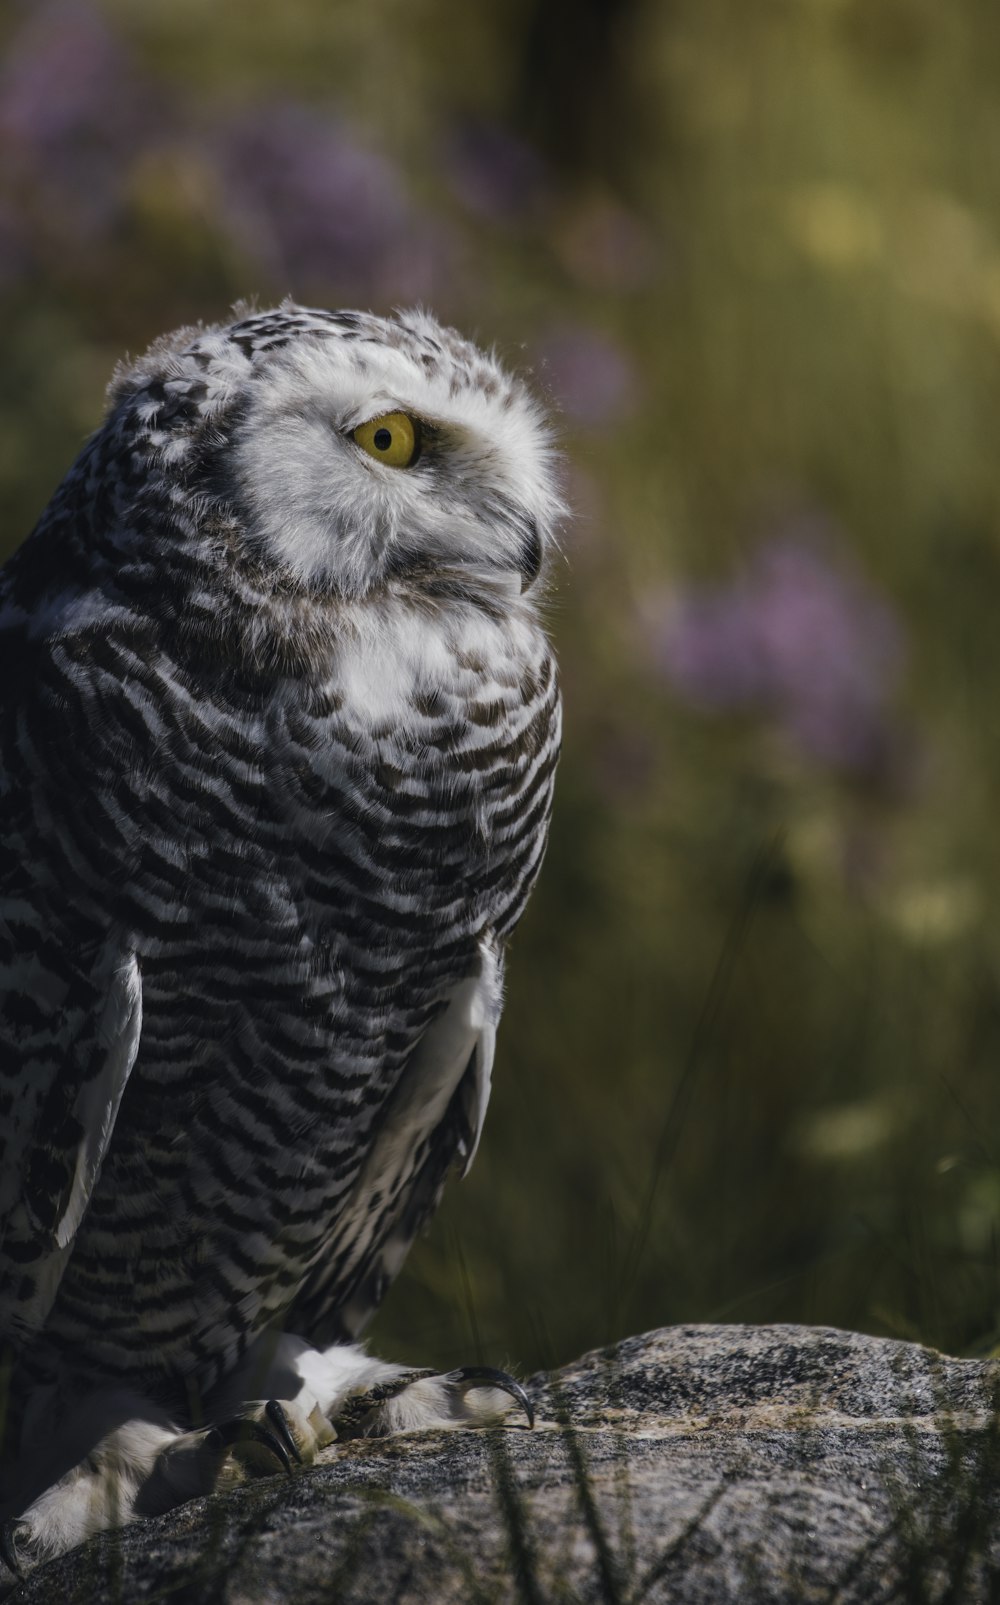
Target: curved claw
{"points": [[240, 1430], [276, 1414], [486, 1376], [8, 1548]]}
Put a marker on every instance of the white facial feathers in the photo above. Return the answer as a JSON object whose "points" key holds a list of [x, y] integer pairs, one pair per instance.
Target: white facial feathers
{"points": [[480, 499]]}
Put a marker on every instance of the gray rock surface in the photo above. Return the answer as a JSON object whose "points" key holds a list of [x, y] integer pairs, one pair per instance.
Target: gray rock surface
{"points": [[696, 1464]]}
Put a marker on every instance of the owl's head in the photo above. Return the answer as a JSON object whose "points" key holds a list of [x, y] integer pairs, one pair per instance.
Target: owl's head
{"points": [[351, 451]]}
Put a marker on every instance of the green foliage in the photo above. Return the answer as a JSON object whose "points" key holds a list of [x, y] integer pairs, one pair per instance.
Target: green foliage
{"points": [[749, 1065]]}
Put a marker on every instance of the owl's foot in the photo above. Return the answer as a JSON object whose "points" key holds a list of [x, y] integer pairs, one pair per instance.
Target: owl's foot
{"points": [[473, 1396], [103, 1489], [262, 1439], [362, 1397], [121, 1457]]}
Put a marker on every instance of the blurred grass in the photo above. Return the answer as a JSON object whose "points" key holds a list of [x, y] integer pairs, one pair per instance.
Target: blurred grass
{"points": [[749, 1064]]}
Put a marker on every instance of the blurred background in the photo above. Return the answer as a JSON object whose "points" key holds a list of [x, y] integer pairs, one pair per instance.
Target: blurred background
{"points": [[750, 1066]]}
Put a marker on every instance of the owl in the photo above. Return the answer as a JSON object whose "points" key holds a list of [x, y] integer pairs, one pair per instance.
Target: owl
{"points": [[278, 729]]}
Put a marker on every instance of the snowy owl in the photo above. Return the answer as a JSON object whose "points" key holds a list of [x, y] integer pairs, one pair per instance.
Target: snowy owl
{"points": [[278, 730]]}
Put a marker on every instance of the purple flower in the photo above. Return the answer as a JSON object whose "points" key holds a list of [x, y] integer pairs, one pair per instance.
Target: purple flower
{"points": [[315, 206], [72, 111], [592, 377], [796, 636], [493, 173]]}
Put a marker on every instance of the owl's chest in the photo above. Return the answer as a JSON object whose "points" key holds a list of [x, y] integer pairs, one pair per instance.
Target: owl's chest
{"points": [[421, 785], [344, 822]]}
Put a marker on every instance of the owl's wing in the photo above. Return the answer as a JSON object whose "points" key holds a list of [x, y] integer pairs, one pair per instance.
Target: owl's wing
{"points": [[434, 1117], [70, 1006], [61, 1092]]}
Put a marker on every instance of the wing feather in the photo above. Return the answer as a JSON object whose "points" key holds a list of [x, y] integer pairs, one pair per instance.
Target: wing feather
{"points": [[70, 988], [434, 1117], [61, 1126], [96, 1105]]}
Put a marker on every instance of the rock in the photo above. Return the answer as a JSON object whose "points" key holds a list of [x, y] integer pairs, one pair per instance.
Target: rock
{"points": [[696, 1464]]}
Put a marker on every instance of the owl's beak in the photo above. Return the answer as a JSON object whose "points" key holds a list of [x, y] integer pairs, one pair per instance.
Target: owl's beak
{"points": [[531, 554]]}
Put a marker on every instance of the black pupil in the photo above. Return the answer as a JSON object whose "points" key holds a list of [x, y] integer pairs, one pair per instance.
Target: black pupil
{"points": [[383, 439]]}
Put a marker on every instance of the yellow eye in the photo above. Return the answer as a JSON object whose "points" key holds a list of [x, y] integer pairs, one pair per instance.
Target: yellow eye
{"points": [[394, 439]]}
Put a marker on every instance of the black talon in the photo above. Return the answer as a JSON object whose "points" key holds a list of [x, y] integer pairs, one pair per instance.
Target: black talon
{"points": [[275, 1412], [8, 1548], [486, 1376], [239, 1430]]}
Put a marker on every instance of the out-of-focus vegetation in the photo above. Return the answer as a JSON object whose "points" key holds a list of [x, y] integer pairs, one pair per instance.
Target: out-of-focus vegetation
{"points": [[750, 1066]]}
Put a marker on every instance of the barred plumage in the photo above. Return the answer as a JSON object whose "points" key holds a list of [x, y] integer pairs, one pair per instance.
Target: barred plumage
{"points": [[277, 741]]}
